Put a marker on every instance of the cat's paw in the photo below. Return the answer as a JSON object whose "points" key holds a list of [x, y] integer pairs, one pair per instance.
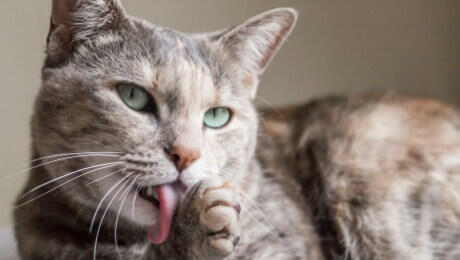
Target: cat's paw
{"points": [[217, 203]]}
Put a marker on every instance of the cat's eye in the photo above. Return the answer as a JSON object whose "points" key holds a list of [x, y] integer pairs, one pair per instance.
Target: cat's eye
{"points": [[133, 96], [217, 117]]}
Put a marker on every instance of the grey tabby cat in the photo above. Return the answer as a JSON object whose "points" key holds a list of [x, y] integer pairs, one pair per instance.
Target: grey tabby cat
{"points": [[148, 137]]}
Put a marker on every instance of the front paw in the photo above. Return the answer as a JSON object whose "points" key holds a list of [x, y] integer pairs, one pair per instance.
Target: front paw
{"points": [[216, 201], [207, 223]]}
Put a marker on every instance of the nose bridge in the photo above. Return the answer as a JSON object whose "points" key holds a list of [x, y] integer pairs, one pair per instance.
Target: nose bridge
{"points": [[189, 138], [185, 146], [184, 125], [179, 128]]}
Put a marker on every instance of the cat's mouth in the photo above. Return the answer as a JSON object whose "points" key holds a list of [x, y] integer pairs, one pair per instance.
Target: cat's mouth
{"points": [[166, 199], [149, 194]]}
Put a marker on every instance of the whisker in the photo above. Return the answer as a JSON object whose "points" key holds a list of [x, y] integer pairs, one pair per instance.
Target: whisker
{"points": [[259, 222], [67, 175], [253, 204], [272, 107], [264, 121], [102, 200], [50, 162], [223, 173], [124, 196], [107, 210], [57, 187], [208, 155], [71, 154], [134, 200], [104, 177], [126, 191], [268, 225]]}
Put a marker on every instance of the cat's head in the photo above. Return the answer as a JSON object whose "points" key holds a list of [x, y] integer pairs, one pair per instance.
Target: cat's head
{"points": [[170, 107]]}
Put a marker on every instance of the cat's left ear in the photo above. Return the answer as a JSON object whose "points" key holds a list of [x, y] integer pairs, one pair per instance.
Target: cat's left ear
{"points": [[251, 46]]}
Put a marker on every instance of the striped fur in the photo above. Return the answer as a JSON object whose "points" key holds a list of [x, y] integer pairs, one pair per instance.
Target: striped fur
{"points": [[337, 178]]}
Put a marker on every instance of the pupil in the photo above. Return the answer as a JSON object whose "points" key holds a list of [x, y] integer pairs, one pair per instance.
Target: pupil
{"points": [[131, 92]]}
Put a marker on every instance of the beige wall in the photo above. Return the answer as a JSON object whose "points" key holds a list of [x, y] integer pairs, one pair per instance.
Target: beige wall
{"points": [[338, 47]]}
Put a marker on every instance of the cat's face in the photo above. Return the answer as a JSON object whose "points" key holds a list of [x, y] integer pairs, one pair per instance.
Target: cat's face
{"points": [[171, 108]]}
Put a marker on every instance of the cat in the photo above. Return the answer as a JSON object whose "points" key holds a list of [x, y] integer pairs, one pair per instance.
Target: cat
{"points": [[146, 145]]}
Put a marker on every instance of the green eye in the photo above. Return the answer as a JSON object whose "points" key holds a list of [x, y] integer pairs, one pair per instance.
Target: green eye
{"points": [[217, 117], [133, 96]]}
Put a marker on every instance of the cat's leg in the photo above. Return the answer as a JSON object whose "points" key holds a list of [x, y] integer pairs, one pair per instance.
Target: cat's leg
{"points": [[207, 223]]}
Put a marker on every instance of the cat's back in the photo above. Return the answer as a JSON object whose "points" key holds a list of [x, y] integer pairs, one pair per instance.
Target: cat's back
{"points": [[381, 132], [386, 137], [370, 129]]}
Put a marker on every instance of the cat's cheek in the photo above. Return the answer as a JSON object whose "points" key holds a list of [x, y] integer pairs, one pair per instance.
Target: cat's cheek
{"points": [[194, 174]]}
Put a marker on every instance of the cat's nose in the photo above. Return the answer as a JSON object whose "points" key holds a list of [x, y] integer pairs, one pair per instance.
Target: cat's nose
{"points": [[184, 156]]}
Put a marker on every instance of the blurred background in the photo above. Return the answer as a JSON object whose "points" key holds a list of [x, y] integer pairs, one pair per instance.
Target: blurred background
{"points": [[339, 47]]}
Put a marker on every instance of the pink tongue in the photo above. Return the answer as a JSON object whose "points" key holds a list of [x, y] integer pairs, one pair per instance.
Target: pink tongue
{"points": [[169, 199]]}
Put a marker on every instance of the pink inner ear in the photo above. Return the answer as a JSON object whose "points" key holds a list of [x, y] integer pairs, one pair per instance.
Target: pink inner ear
{"points": [[62, 12], [253, 44], [61, 17], [248, 81], [275, 44]]}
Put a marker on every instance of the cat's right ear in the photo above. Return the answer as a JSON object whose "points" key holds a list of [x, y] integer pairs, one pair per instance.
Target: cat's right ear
{"points": [[60, 34], [76, 21]]}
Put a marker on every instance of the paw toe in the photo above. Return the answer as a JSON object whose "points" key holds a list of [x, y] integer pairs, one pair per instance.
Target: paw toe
{"points": [[224, 246], [219, 217]]}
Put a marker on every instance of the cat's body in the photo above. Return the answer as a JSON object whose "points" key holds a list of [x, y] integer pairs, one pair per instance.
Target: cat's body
{"points": [[380, 174], [338, 178], [309, 150]]}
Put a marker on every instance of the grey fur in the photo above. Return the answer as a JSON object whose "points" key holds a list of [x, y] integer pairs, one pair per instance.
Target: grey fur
{"points": [[301, 180]]}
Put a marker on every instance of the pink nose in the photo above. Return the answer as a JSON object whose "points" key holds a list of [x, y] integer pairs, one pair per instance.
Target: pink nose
{"points": [[184, 156]]}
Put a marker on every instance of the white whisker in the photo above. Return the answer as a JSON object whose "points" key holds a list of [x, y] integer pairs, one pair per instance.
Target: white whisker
{"points": [[124, 196], [259, 222], [67, 175], [134, 200], [271, 106], [254, 206], [102, 200], [50, 162], [104, 177], [71, 154], [263, 121], [57, 187], [107, 210], [270, 227], [126, 191], [223, 173]]}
